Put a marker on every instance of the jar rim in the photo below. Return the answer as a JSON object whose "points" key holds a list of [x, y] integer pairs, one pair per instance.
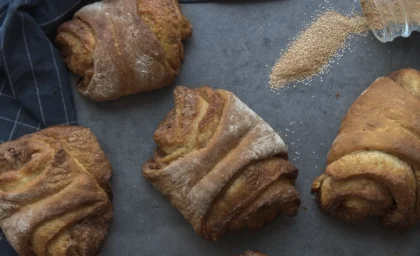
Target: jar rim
{"points": [[391, 29]]}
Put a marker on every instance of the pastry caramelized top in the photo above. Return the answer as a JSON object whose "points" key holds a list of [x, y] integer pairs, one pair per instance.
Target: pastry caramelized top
{"points": [[169, 25], [191, 124], [374, 163], [55, 192], [220, 164], [37, 148], [387, 108], [121, 47]]}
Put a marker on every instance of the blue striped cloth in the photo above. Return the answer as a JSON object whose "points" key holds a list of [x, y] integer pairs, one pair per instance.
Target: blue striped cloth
{"points": [[34, 82]]}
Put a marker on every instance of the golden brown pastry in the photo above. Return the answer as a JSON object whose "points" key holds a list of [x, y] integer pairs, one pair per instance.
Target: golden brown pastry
{"points": [[55, 193], [220, 164], [252, 253], [373, 165], [121, 47]]}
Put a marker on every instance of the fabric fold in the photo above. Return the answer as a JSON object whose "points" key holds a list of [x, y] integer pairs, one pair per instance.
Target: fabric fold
{"points": [[34, 82]]}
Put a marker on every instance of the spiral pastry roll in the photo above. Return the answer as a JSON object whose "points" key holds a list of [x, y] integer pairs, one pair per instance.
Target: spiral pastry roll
{"points": [[220, 164], [55, 193], [121, 47], [373, 164]]}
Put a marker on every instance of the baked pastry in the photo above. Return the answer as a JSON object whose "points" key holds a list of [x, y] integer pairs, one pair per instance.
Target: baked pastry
{"points": [[220, 164], [252, 253], [121, 47], [373, 164], [55, 193]]}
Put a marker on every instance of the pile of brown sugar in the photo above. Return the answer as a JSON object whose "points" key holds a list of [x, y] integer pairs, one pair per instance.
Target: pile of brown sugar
{"points": [[313, 49]]}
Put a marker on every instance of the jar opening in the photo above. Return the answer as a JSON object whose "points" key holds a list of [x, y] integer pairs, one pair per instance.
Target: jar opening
{"points": [[389, 19], [375, 18]]}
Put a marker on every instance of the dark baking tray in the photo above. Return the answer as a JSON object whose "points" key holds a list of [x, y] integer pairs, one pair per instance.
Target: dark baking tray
{"points": [[234, 46]]}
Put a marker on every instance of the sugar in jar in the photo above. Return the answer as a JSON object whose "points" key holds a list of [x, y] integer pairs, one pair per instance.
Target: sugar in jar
{"points": [[389, 19]]}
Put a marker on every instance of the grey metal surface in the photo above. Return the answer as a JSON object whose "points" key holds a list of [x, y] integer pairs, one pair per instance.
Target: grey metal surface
{"points": [[234, 47]]}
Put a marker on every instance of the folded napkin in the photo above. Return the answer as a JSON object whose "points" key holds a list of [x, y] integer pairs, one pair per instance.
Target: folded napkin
{"points": [[34, 82]]}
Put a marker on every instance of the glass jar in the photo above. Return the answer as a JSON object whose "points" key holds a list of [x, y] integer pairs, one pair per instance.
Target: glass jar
{"points": [[389, 19]]}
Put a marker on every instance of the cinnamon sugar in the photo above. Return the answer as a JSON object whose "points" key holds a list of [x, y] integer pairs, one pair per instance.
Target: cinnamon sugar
{"points": [[314, 48], [372, 14]]}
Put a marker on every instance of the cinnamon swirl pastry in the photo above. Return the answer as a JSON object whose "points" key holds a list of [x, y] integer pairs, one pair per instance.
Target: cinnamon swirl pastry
{"points": [[373, 165], [220, 164], [55, 193], [121, 47]]}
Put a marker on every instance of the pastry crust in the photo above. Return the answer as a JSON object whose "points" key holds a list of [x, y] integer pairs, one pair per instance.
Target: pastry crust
{"points": [[220, 164], [55, 192], [252, 253], [121, 47], [373, 164]]}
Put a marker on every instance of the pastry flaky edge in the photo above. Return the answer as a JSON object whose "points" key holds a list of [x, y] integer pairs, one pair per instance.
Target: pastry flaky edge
{"points": [[55, 194], [220, 164], [121, 47], [373, 164]]}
